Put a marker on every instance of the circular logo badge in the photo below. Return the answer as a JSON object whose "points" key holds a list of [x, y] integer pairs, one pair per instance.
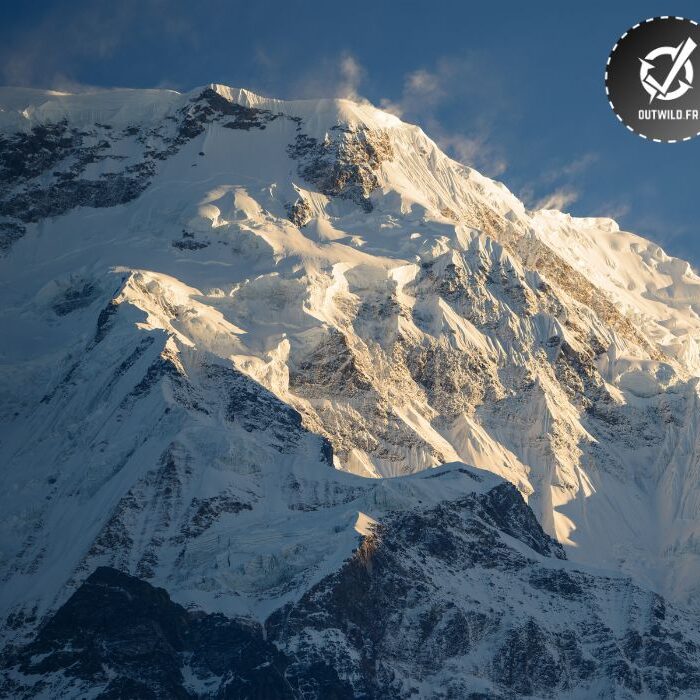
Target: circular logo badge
{"points": [[650, 78]]}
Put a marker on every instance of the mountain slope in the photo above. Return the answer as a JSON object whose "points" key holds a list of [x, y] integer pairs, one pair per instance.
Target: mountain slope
{"points": [[211, 299], [468, 598]]}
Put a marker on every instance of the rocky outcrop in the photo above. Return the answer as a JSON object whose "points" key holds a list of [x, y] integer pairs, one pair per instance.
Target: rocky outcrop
{"points": [[118, 637], [61, 154], [300, 212], [45, 170], [210, 106], [345, 163], [447, 602], [469, 598]]}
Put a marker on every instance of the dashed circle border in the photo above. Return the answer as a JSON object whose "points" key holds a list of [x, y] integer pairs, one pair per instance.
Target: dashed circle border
{"points": [[607, 91]]}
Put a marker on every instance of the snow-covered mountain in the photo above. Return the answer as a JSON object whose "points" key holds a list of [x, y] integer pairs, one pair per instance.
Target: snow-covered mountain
{"points": [[227, 318]]}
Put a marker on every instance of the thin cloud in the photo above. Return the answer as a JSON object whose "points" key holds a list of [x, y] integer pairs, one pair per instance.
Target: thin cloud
{"points": [[338, 76], [50, 53], [615, 210], [570, 169], [351, 76], [475, 150], [664, 231], [559, 199], [558, 186], [391, 107], [455, 82]]}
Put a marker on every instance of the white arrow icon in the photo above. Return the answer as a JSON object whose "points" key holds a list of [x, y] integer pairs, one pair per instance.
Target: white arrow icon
{"points": [[680, 55]]}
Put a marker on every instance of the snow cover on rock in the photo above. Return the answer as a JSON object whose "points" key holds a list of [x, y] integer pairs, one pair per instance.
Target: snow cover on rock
{"points": [[210, 298], [465, 598]]}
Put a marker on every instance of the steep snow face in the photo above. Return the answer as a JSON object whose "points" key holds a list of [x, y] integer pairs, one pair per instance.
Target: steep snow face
{"points": [[658, 293], [203, 292]]}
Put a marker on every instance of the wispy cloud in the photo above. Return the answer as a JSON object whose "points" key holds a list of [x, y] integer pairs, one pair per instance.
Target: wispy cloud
{"points": [[50, 52], [458, 83], [560, 199], [558, 185], [476, 150], [335, 76], [351, 75], [423, 95], [614, 210], [453, 83], [570, 169]]}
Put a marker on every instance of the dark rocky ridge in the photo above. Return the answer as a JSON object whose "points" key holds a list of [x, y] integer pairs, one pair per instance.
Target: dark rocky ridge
{"points": [[210, 106], [59, 155], [458, 600], [122, 638], [407, 616], [44, 169]]}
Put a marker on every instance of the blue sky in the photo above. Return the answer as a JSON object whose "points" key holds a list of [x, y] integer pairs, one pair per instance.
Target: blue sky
{"points": [[513, 88]]}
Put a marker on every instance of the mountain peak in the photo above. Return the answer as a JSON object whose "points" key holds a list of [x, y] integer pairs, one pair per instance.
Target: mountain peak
{"points": [[233, 324]]}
